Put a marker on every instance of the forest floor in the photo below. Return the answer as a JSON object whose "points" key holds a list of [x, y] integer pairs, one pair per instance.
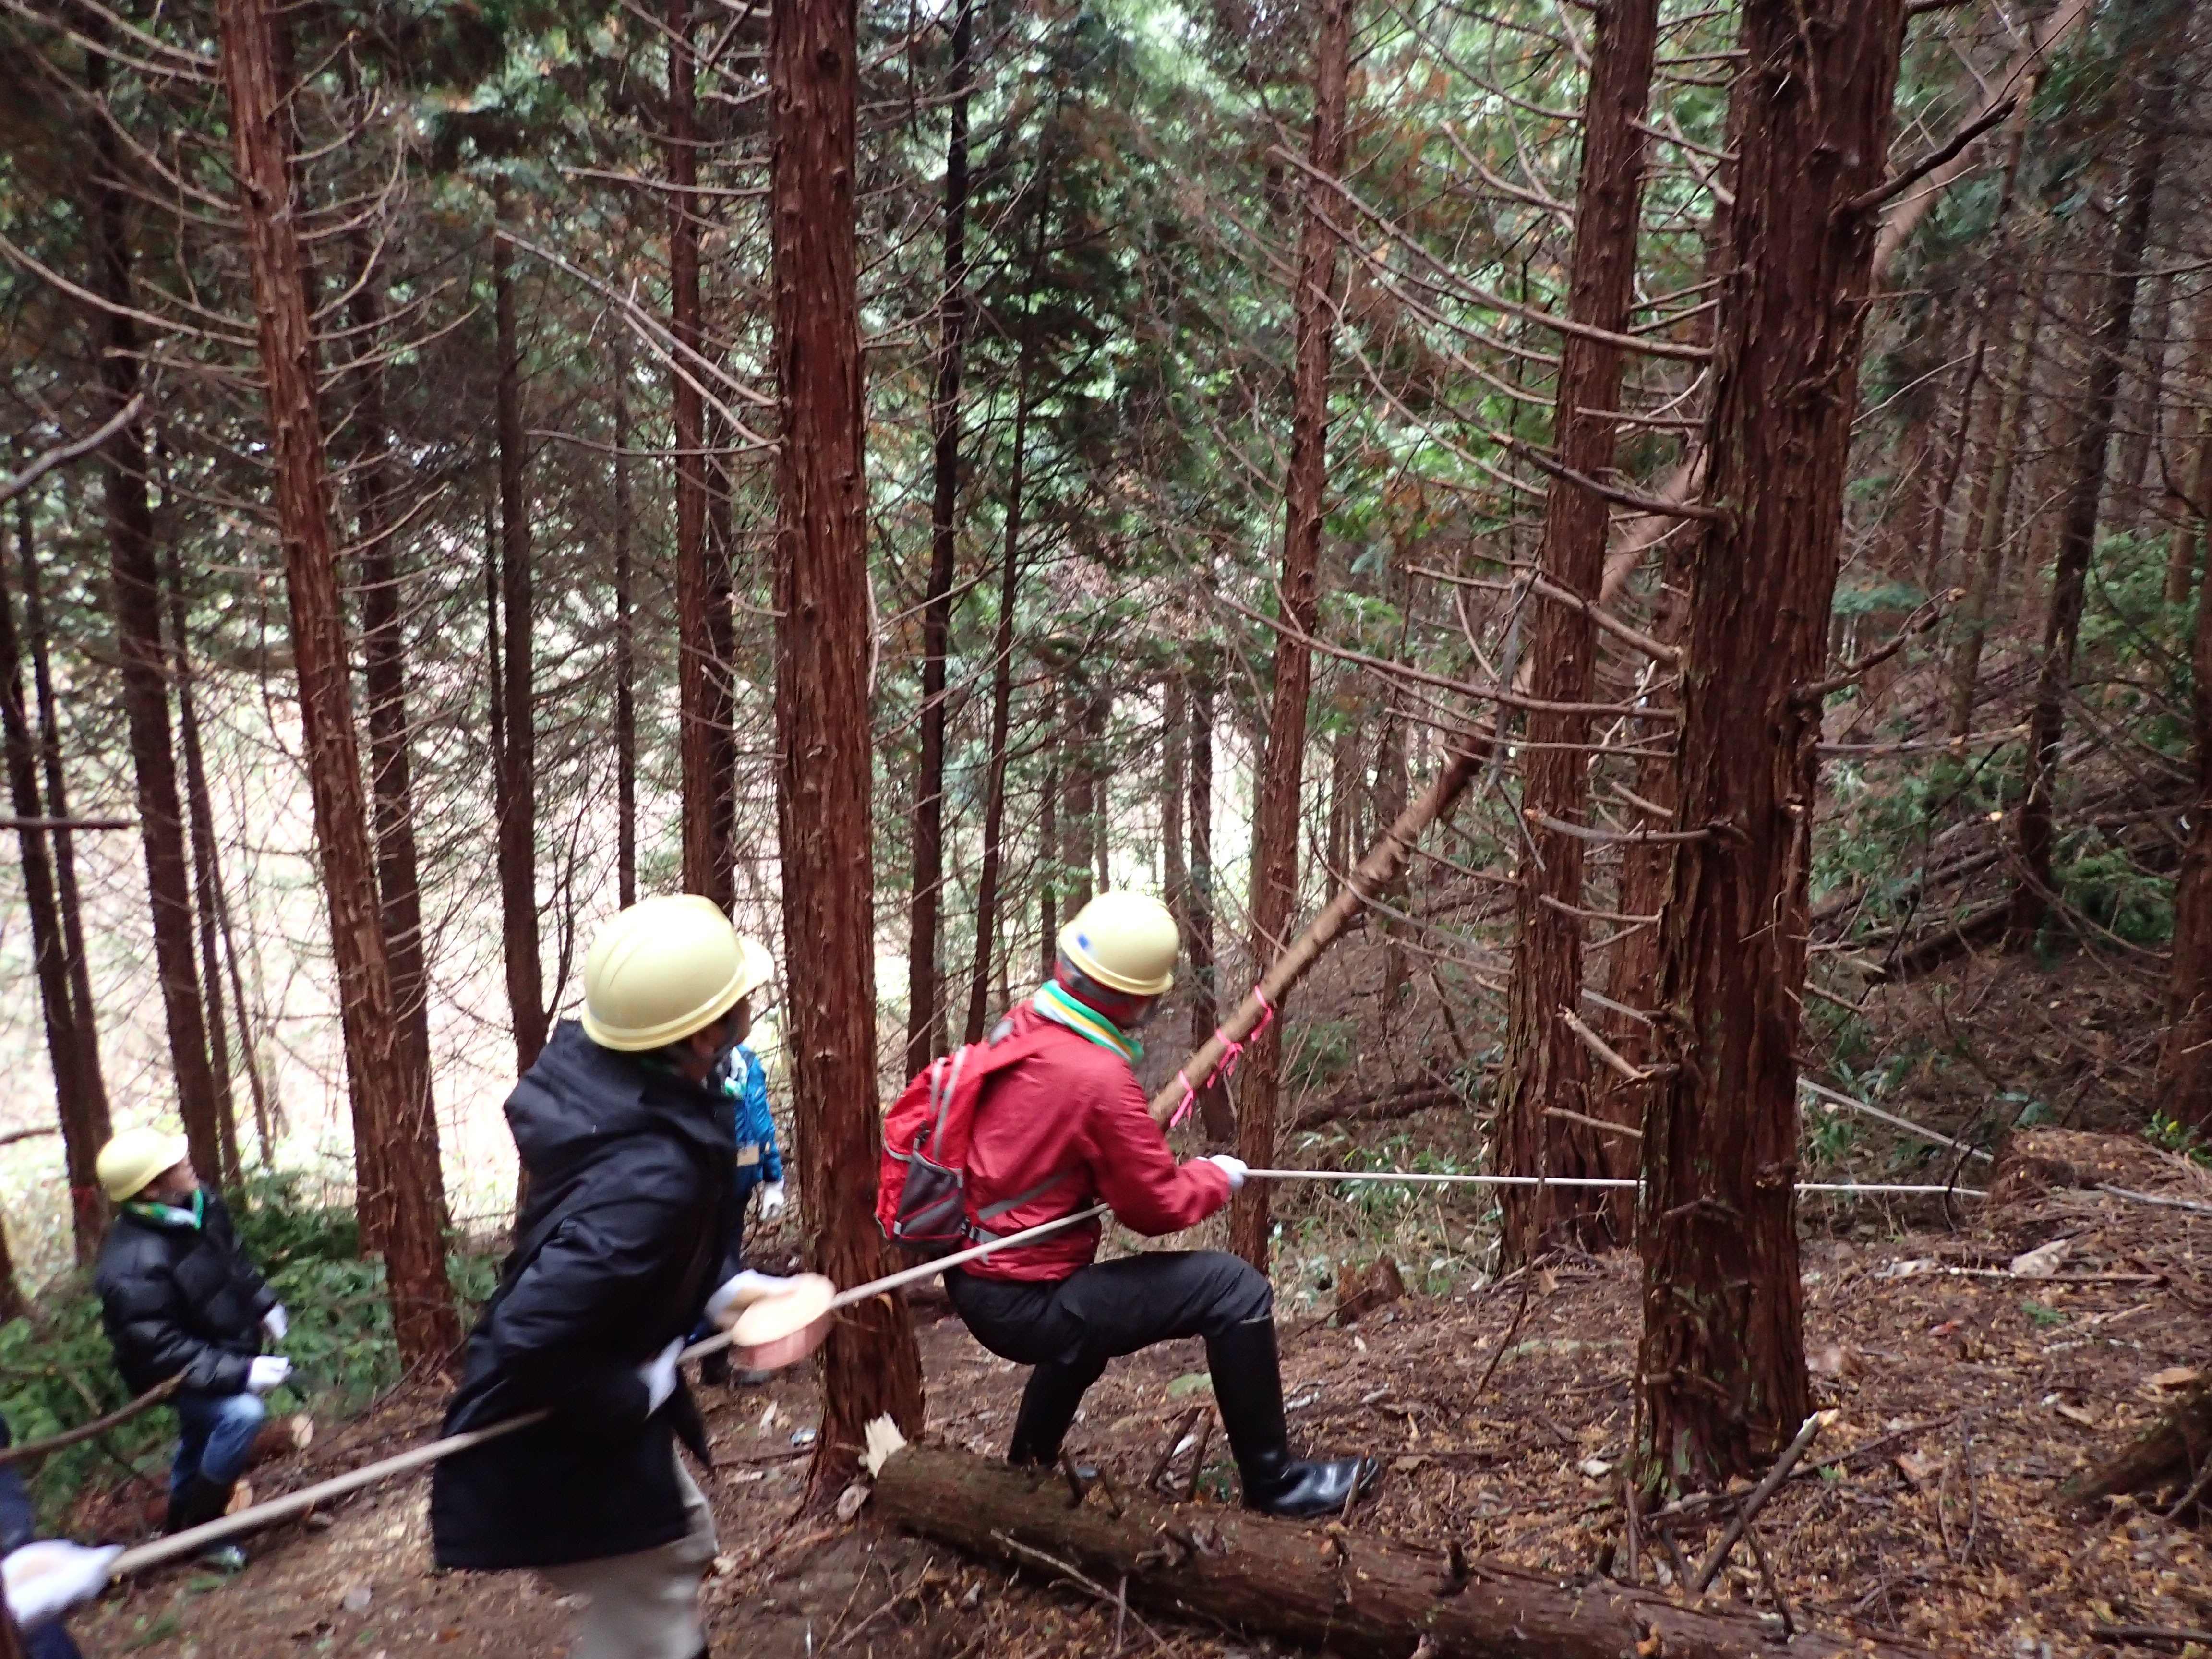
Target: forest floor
{"points": [[1973, 1392]]}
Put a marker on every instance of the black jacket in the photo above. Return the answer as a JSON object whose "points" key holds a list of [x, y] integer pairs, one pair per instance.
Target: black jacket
{"points": [[180, 1298], [631, 1173]]}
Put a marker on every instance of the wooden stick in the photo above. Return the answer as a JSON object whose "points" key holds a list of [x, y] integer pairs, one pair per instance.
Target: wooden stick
{"points": [[1466, 752], [1765, 1490], [1597, 1123], [1604, 1050], [1183, 1426], [100, 1425]]}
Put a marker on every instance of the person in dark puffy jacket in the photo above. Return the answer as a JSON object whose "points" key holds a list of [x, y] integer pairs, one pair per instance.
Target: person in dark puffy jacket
{"points": [[179, 1299], [618, 1255]]}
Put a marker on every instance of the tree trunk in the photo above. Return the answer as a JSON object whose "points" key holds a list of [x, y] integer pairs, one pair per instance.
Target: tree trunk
{"points": [[1545, 1064], [2190, 511], [422, 1311], [87, 1205], [1722, 1362], [2139, 431], [384, 676], [1079, 818], [625, 647], [1985, 508], [2077, 534], [824, 751], [1217, 1113], [925, 1017], [1355, 1595], [207, 872], [1276, 825], [702, 582], [65, 1044], [12, 1305], [518, 768], [1049, 839], [1175, 794], [2183, 1085], [1002, 699], [136, 583]]}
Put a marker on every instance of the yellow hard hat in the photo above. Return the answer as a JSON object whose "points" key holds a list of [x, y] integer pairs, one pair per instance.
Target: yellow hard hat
{"points": [[1126, 942], [665, 968], [128, 1163]]}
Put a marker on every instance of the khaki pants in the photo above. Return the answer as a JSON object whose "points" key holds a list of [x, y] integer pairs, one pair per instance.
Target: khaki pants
{"points": [[645, 1605]]}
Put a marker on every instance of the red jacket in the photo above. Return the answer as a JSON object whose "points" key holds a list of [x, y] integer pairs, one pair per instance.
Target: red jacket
{"points": [[1076, 1107]]}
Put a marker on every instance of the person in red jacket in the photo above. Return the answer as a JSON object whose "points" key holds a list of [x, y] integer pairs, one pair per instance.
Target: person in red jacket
{"points": [[1067, 1126]]}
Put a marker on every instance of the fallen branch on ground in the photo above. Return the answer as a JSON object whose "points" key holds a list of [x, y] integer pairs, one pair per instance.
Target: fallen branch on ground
{"points": [[1359, 1595], [100, 1425]]}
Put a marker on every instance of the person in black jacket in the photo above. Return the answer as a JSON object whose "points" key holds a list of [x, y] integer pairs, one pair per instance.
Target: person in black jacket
{"points": [[628, 1152], [179, 1299]]}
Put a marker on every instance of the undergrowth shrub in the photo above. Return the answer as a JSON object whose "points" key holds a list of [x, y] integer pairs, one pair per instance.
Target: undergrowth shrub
{"points": [[57, 1372]]}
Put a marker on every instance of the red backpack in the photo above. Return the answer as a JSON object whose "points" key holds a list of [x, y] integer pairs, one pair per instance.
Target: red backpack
{"points": [[922, 1199]]}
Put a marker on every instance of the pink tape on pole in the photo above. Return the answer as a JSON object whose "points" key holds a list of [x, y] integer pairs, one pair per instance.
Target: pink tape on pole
{"points": [[1225, 1067]]}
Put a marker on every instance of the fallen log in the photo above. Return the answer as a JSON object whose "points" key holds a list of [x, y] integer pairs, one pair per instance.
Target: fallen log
{"points": [[1374, 1108], [1319, 1586], [2174, 1451]]}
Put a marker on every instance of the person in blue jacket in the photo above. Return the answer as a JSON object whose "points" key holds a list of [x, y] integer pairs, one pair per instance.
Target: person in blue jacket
{"points": [[70, 1575], [760, 1169]]}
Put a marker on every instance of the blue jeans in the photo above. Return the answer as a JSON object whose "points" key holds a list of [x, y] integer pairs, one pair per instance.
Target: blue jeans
{"points": [[218, 1437]]}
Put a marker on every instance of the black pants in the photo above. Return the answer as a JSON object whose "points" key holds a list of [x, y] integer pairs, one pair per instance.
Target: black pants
{"points": [[1076, 1324]]}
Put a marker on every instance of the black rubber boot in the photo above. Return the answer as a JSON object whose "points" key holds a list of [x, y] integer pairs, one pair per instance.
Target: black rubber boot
{"points": [[1049, 1405], [195, 1503], [1247, 1387]]}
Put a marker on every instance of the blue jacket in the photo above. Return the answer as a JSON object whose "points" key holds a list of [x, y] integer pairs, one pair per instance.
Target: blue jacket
{"points": [[746, 1084]]}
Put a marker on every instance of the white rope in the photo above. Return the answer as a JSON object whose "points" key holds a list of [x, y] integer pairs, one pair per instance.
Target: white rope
{"points": [[193, 1540], [1576, 1180]]}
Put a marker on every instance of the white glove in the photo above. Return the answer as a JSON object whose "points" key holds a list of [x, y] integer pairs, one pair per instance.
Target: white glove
{"points": [[739, 1291], [268, 1371], [1233, 1167], [46, 1579], [277, 1322], [659, 1376], [772, 1199]]}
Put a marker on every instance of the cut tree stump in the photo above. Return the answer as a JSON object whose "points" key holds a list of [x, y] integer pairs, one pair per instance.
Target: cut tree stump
{"points": [[1320, 1585]]}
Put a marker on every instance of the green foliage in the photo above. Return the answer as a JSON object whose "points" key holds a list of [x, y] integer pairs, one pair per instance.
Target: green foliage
{"points": [[2170, 1135], [2105, 883], [2041, 1316]]}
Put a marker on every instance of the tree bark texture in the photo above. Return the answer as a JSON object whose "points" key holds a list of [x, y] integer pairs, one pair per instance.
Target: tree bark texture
{"points": [[870, 1365], [85, 1196], [2035, 832], [517, 755], [2184, 1086], [1080, 809], [1002, 703], [1546, 1063], [12, 1303], [135, 577], [1722, 1363], [625, 647], [84, 1119], [705, 745], [384, 681], [925, 1017], [1216, 1112], [1276, 819], [1985, 505], [422, 1311], [207, 872], [2194, 467], [1352, 1595]]}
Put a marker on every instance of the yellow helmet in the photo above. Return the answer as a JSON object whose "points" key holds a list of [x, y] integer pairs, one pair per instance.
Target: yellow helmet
{"points": [[666, 968], [129, 1164], [1126, 942]]}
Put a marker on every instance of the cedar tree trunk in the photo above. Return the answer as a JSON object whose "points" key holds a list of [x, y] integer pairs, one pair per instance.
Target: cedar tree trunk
{"points": [[1217, 1113], [2085, 495], [1722, 1366], [705, 744], [136, 586], [824, 748], [1276, 823], [925, 1022], [1002, 700], [1546, 1064], [422, 1313], [625, 648]]}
